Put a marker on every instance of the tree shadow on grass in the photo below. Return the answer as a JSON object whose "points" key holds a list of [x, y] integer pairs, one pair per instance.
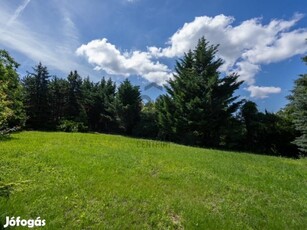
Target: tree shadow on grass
{"points": [[5, 134], [7, 138], [6, 189]]}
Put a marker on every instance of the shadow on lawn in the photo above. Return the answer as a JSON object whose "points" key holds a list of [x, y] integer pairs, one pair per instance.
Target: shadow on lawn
{"points": [[6, 189], [6, 138]]}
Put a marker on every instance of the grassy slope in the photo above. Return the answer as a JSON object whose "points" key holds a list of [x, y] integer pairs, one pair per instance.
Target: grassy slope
{"points": [[100, 181]]}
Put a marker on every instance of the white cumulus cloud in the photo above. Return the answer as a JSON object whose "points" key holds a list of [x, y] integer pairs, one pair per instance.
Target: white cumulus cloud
{"points": [[244, 47], [105, 56], [262, 91]]}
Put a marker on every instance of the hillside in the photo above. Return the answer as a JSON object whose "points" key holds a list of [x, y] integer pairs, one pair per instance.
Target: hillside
{"points": [[95, 181]]}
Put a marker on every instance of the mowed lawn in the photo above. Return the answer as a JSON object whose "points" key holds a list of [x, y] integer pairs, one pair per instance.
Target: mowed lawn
{"points": [[96, 181]]}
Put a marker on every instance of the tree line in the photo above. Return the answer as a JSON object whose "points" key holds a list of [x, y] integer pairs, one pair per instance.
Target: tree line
{"points": [[199, 109]]}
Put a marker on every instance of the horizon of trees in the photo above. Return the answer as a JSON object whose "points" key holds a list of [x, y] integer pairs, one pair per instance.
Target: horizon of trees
{"points": [[199, 108]]}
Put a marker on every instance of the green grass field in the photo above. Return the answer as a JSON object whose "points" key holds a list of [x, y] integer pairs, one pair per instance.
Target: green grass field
{"points": [[95, 181]]}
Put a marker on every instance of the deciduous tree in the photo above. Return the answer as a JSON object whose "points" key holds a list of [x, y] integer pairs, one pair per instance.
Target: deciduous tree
{"points": [[11, 93]]}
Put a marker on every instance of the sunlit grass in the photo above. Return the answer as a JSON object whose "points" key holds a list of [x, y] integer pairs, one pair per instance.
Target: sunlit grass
{"points": [[95, 181]]}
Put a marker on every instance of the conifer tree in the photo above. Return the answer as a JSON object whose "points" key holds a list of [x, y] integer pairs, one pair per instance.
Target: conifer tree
{"points": [[199, 102], [298, 102], [37, 102], [90, 103], [107, 118], [75, 110], [58, 98], [128, 106]]}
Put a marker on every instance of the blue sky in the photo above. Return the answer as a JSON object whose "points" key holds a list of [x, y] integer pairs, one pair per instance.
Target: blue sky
{"points": [[141, 39]]}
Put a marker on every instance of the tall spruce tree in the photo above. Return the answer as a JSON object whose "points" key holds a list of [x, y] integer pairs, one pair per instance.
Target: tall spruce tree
{"points": [[107, 118], [89, 92], [37, 102], [128, 106], [75, 110], [98, 101], [251, 122], [267, 133], [58, 88], [298, 102], [199, 103], [147, 127]]}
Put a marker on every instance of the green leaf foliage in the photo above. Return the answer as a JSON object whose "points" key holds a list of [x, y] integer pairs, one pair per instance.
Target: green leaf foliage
{"points": [[11, 93]]}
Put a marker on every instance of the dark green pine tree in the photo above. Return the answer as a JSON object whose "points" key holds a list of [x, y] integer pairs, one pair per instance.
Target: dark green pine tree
{"points": [[267, 133], [147, 127], [250, 116], [165, 118], [98, 101], [75, 110], [90, 98], [199, 103], [107, 116], [128, 106], [298, 101], [37, 102], [58, 88]]}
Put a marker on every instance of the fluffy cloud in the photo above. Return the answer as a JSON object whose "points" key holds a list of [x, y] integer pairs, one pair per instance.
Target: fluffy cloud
{"points": [[288, 45], [245, 70], [105, 56], [186, 38], [262, 91], [244, 48]]}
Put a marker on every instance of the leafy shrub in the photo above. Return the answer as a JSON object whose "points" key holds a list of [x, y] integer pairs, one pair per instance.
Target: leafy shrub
{"points": [[72, 126]]}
